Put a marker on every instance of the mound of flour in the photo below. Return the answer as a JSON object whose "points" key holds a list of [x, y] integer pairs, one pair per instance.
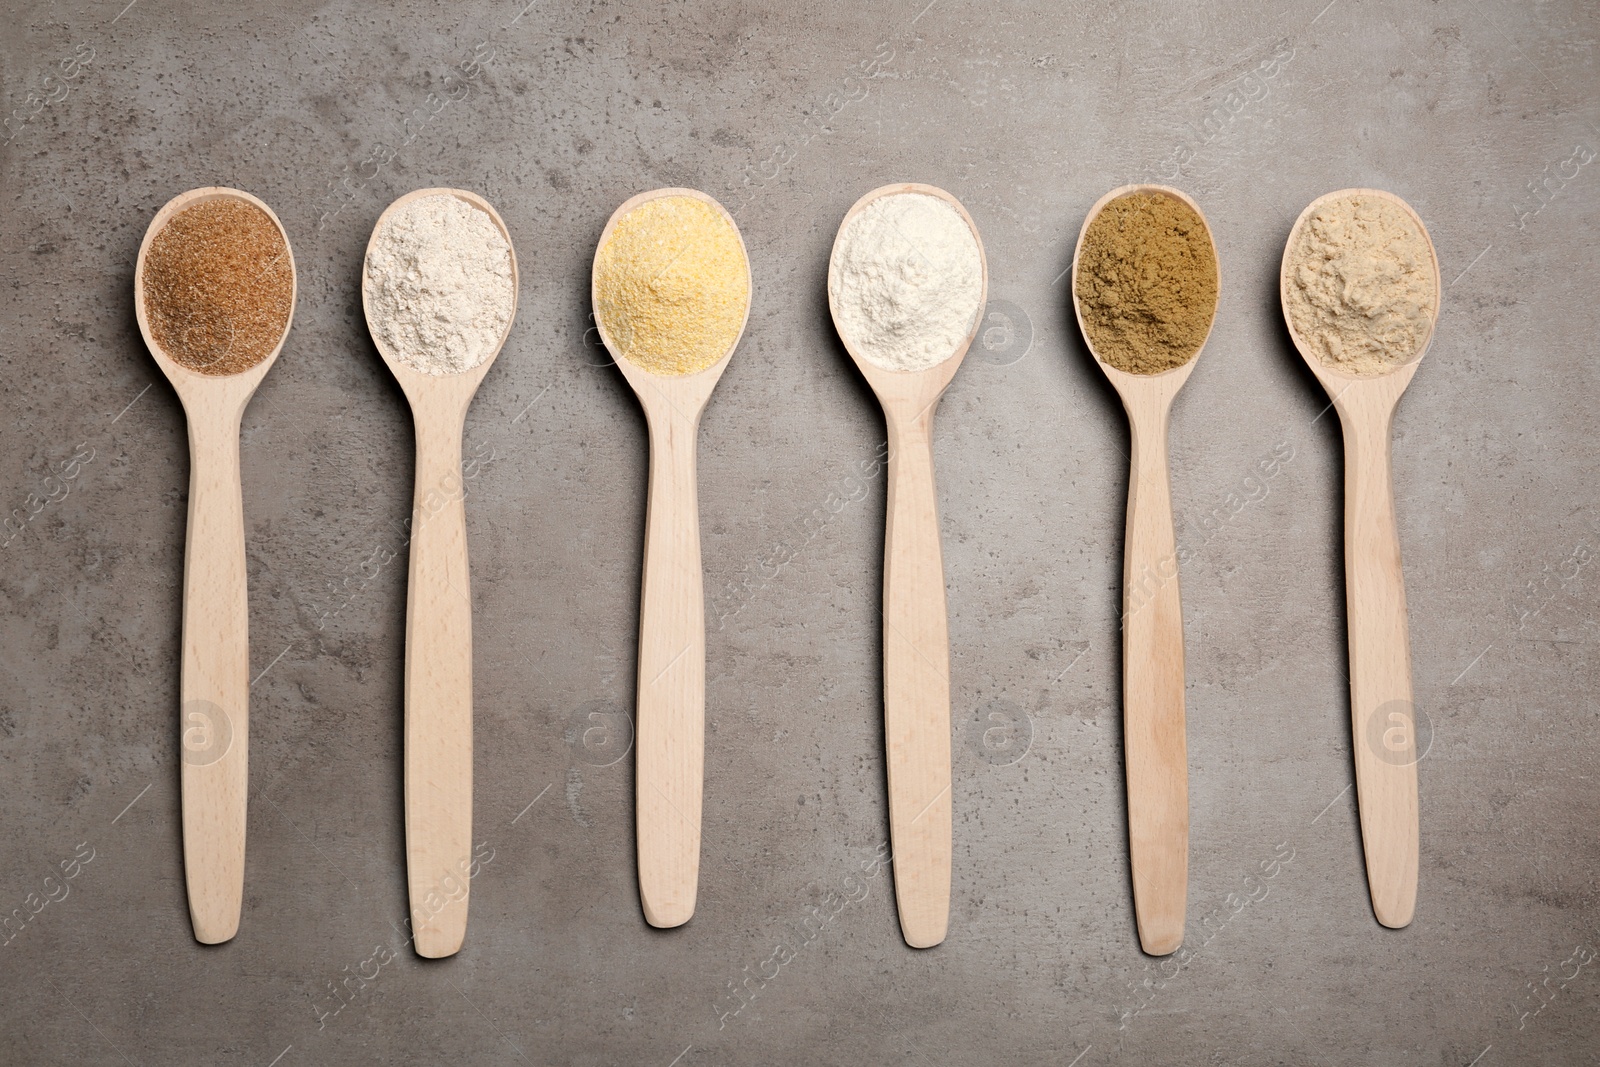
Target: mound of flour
{"points": [[906, 281], [438, 285], [1361, 285]]}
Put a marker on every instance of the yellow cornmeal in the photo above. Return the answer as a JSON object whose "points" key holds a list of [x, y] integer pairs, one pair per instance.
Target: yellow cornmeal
{"points": [[671, 285]]}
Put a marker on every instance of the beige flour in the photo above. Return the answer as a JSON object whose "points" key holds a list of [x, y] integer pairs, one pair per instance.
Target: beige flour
{"points": [[1361, 285], [438, 285]]}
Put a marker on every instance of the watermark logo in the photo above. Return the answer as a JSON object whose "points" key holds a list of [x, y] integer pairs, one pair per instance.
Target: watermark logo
{"points": [[56, 490], [207, 341], [790, 939], [1550, 183], [600, 733], [1250, 90], [1004, 336], [1399, 733], [595, 352], [1000, 732], [207, 733], [52, 89]]}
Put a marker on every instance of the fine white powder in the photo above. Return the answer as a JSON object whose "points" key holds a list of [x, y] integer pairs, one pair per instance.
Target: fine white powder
{"points": [[438, 285], [905, 281]]}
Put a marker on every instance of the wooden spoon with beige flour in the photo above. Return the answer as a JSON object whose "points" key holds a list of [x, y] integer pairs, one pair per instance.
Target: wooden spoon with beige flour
{"points": [[1360, 292], [439, 289], [214, 293], [907, 281], [1145, 283], [671, 294]]}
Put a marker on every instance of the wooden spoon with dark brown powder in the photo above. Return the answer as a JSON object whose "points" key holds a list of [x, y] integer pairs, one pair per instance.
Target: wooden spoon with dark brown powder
{"points": [[213, 292]]}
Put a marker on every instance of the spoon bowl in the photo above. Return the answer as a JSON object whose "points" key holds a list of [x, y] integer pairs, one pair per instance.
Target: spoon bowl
{"points": [[929, 383], [438, 688], [1126, 383], [1383, 714], [186, 381], [214, 688], [1154, 745], [916, 638], [434, 388], [669, 731], [1334, 379], [686, 391]]}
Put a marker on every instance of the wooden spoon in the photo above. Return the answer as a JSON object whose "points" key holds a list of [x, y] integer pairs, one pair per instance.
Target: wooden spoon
{"points": [[671, 719], [916, 637], [1152, 638], [1382, 714], [438, 733], [215, 675]]}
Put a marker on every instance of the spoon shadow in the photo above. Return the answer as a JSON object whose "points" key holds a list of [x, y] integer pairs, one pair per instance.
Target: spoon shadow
{"points": [[171, 415], [1088, 380], [870, 422], [1329, 566]]}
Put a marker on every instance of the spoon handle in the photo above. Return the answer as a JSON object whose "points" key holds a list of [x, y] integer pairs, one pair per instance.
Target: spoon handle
{"points": [[1152, 695], [671, 685], [916, 686], [1381, 710], [215, 684], [438, 734]]}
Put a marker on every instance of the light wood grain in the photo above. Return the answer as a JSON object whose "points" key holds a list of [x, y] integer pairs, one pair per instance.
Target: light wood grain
{"points": [[1154, 745], [438, 671], [916, 641], [669, 742], [214, 689], [1382, 711]]}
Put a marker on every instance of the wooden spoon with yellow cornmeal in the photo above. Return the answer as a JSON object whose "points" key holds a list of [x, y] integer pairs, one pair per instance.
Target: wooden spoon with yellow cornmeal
{"points": [[1144, 277], [1360, 292], [213, 292], [671, 292]]}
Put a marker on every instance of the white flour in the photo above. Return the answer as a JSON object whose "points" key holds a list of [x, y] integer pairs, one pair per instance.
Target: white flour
{"points": [[438, 285], [905, 281]]}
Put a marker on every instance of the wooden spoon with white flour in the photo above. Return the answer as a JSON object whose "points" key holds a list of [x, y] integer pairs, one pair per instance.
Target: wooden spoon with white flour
{"points": [[907, 280], [440, 293]]}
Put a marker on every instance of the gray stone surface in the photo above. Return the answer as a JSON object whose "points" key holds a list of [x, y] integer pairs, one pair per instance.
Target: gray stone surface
{"points": [[1471, 111]]}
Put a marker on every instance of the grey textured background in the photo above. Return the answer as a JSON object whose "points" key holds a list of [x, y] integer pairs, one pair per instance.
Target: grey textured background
{"points": [[1479, 114]]}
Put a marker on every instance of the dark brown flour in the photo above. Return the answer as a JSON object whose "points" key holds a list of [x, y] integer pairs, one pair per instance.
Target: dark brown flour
{"points": [[218, 286]]}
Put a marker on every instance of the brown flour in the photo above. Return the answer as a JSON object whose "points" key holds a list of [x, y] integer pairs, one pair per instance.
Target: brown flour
{"points": [[218, 286], [1146, 283]]}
